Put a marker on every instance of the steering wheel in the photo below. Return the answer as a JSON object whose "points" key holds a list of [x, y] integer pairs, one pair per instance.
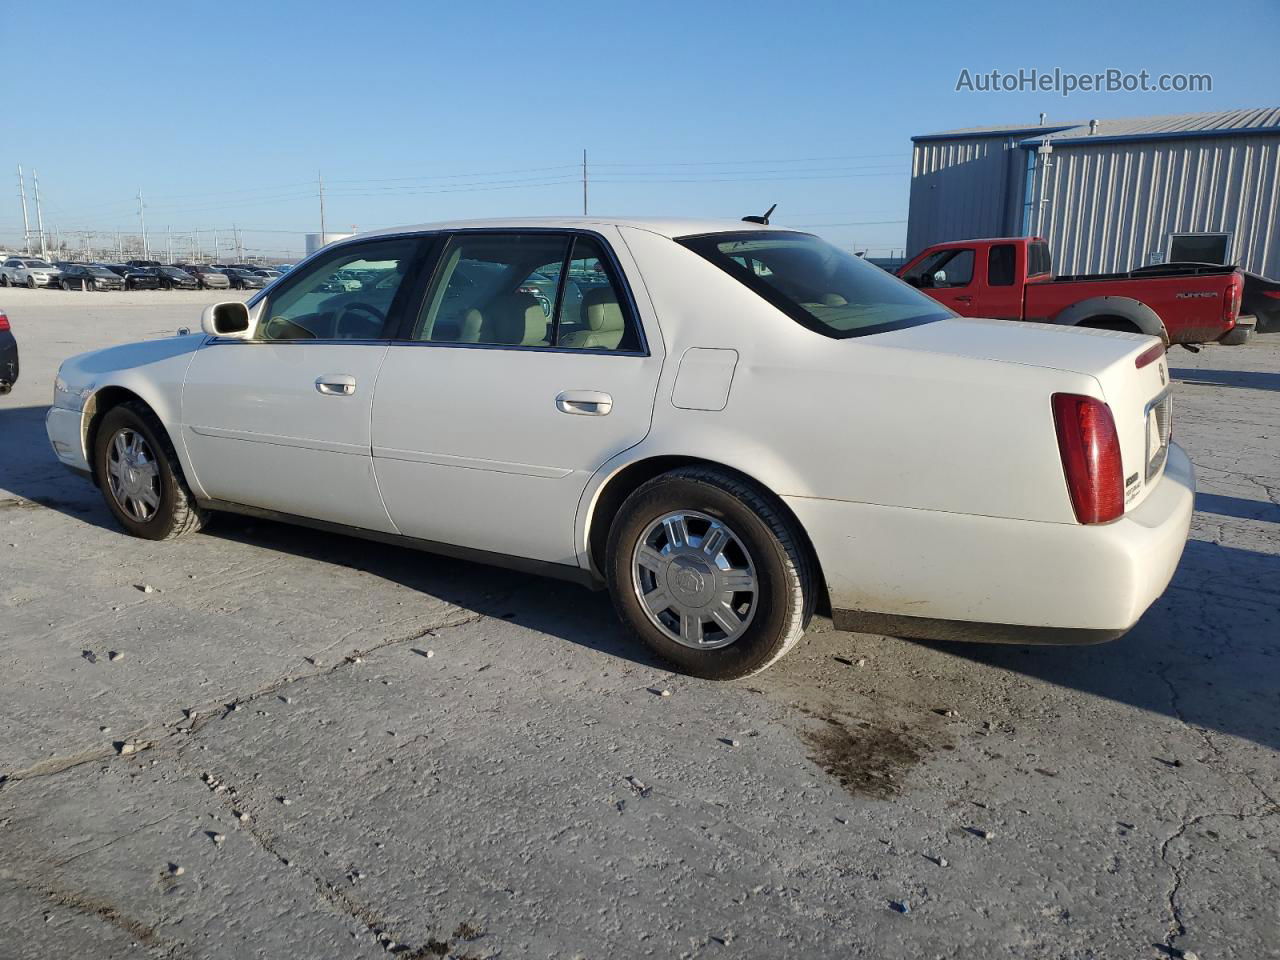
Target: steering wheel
{"points": [[378, 317]]}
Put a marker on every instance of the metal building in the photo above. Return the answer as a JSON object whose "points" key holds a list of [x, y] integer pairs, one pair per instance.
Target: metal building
{"points": [[1109, 195], [314, 241]]}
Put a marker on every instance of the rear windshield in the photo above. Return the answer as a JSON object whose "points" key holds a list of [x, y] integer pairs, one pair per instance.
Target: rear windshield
{"points": [[818, 285]]}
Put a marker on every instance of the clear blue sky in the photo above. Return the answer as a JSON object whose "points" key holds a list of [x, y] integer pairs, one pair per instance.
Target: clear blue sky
{"points": [[223, 113]]}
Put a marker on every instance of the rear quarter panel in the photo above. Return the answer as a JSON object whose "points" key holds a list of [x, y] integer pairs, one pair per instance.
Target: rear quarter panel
{"points": [[851, 419], [1191, 307]]}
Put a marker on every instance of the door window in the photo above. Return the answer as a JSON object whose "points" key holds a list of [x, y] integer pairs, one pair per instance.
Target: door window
{"points": [[348, 294], [526, 290], [946, 268]]}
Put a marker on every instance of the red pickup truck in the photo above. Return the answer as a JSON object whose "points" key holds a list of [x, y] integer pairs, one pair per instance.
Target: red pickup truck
{"points": [[1010, 278]]}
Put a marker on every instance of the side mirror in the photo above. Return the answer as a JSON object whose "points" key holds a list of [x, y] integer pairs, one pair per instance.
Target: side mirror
{"points": [[230, 319]]}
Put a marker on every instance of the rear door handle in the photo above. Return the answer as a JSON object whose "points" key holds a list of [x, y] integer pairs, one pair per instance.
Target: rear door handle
{"points": [[336, 385], [586, 403]]}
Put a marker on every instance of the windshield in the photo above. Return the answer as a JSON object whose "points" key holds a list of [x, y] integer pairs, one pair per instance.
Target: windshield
{"points": [[818, 285], [173, 272], [39, 263], [100, 271]]}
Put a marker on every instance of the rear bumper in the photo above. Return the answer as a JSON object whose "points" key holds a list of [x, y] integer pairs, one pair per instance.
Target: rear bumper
{"points": [[8, 362], [924, 573]]}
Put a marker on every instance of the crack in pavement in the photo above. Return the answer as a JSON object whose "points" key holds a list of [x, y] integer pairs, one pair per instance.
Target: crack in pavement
{"points": [[196, 718], [144, 933]]}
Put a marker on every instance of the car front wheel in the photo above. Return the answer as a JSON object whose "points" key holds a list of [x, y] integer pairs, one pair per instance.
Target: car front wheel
{"points": [[710, 572], [140, 476]]}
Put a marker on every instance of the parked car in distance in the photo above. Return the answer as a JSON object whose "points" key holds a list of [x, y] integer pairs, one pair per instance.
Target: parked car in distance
{"points": [[144, 263], [88, 276], [773, 423], [135, 278], [207, 276], [175, 278], [28, 272], [1011, 278], [244, 279], [283, 267], [8, 355]]}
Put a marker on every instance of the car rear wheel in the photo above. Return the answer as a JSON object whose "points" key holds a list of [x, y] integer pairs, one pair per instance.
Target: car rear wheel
{"points": [[4, 279], [710, 572], [140, 476]]}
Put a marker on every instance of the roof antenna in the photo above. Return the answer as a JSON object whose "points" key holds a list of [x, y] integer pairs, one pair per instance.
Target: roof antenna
{"points": [[761, 220]]}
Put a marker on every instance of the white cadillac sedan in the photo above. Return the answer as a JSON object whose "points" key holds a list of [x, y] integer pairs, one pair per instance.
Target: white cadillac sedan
{"points": [[730, 425]]}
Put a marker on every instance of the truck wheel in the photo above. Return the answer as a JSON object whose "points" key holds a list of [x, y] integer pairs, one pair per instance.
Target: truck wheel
{"points": [[709, 572], [140, 476], [1238, 335]]}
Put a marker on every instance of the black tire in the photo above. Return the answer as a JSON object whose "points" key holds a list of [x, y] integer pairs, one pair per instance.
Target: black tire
{"points": [[785, 594], [177, 514], [31, 283], [4, 279], [1238, 336]]}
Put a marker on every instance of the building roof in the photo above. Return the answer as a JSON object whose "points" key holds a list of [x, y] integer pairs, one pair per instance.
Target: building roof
{"points": [[1216, 124]]}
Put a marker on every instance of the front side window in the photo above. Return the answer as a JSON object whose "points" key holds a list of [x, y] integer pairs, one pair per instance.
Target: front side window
{"points": [[346, 295], [946, 268], [526, 290], [819, 285]]}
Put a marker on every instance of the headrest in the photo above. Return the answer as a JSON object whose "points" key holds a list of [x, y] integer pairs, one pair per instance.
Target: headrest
{"points": [[601, 311], [517, 319]]}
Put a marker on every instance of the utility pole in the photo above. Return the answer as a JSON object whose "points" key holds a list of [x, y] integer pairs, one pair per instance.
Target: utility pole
{"points": [[320, 181], [584, 181], [168, 237], [142, 220], [216, 256], [119, 247], [35, 179], [26, 224]]}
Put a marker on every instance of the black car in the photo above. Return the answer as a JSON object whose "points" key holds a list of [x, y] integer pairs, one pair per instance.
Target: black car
{"points": [[244, 279], [135, 278], [88, 276], [8, 355], [143, 263], [175, 278]]}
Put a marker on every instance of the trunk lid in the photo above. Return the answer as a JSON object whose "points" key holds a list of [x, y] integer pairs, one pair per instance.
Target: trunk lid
{"points": [[1139, 397]]}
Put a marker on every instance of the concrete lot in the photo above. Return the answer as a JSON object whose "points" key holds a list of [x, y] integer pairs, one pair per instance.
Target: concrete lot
{"points": [[343, 746]]}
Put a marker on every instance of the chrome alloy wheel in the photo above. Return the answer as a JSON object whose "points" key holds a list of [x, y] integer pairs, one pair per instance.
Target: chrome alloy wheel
{"points": [[134, 475], [695, 580]]}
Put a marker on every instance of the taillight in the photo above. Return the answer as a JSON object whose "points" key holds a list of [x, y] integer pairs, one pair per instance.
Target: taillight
{"points": [[1090, 452], [1231, 305], [1149, 356], [4, 322]]}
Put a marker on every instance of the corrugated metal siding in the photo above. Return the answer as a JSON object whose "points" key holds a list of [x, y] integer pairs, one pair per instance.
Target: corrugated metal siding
{"points": [[1112, 205], [964, 188]]}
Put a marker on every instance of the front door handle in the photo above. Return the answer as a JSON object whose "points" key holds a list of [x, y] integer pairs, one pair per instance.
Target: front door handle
{"points": [[586, 403], [336, 386], [964, 299]]}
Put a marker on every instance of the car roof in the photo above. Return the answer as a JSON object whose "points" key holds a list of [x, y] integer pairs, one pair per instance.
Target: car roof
{"points": [[663, 226]]}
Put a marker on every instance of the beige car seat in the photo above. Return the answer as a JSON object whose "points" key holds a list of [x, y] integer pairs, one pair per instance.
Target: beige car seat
{"points": [[514, 318], [602, 317]]}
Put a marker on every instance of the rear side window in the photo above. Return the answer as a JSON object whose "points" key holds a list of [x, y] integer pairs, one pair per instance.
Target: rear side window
{"points": [[527, 290], [818, 285], [1000, 265], [1038, 259]]}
